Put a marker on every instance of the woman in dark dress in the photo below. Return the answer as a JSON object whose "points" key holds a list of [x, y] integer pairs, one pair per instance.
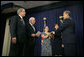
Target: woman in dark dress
{"points": [[57, 46]]}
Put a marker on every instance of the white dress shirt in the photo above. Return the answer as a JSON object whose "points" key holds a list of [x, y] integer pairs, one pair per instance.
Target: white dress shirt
{"points": [[32, 27], [21, 18]]}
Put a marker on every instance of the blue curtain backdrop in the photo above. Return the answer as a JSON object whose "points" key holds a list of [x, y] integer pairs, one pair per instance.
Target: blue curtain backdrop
{"points": [[53, 17]]}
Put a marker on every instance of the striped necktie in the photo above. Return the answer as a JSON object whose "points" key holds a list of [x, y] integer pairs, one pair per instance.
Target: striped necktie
{"points": [[23, 21]]}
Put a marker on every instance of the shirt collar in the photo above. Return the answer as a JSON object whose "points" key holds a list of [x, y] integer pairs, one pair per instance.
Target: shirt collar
{"points": [[20, 16], [30, 24]]}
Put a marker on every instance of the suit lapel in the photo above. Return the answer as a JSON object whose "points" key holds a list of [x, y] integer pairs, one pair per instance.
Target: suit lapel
{"points": [[31, 28], [20, 20]]}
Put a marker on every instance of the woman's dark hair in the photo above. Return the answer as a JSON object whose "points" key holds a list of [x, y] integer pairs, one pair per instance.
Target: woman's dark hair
{"points": [[44, 28], [56, 24]]}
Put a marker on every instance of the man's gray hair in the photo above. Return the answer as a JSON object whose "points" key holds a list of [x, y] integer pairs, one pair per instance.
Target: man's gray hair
{"points": [[20, 9], [31, 18]]}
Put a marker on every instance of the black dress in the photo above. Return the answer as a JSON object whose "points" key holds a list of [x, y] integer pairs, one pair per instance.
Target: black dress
{"points": [[57, 46]]}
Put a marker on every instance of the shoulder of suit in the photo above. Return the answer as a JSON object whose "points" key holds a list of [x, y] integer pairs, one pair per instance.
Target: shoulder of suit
{"points": [[16, 17], [27, 24], [69, 20]]}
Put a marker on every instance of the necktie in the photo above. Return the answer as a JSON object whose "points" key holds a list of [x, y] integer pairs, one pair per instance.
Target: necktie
{"points": [[23, 21]]}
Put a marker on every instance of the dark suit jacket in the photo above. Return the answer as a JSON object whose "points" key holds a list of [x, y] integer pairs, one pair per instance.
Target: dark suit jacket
{"points": [[57, 34], [30, 41], [17, 29], [29, 31], [68, 31]]}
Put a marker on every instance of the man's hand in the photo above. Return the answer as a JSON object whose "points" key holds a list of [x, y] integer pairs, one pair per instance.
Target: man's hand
{"points": [[33, 35], [14, 40], [62, 45], [53, 32]]}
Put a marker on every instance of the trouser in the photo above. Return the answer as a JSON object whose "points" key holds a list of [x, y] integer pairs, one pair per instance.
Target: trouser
{"points": [[29, 48], [17, 49], [70, 50]]}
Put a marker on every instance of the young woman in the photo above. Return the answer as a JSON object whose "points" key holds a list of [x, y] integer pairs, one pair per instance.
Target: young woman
{"points": [[46, 49]]}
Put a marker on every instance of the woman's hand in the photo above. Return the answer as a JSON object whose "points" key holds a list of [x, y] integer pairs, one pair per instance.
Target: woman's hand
{"points": [[53, 32], [44, 36]]}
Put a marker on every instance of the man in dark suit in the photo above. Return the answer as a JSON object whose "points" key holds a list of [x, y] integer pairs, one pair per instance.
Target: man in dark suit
{"points": [[18, 33], [31, 36], [68, 35]]}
